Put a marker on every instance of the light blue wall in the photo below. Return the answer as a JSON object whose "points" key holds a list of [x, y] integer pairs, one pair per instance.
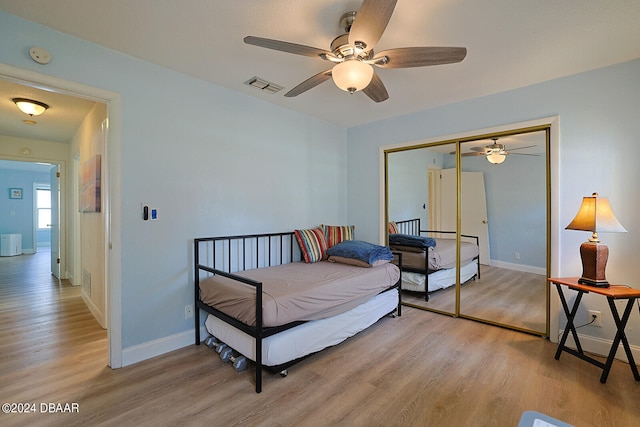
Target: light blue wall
{"points": [[408, 184], [598, 146], [211, 161], [214, 161], [16, 215], [516, 207]]}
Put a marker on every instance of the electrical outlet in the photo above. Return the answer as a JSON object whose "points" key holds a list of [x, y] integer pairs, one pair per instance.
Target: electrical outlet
{"points": [[596, 317], [188, 311]]}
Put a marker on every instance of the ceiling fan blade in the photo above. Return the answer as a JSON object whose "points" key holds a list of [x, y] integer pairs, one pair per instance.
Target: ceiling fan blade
{"points": [[522, 148], [520, 154], [297, 49], [370, 22], [310, 83], [376, 90], [480, 149], [406, 57], [473, 154]]}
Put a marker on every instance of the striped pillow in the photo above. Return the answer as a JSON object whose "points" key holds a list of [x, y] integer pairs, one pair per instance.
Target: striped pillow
{"points": [[392, 227], [313, 244], [338, 233]]}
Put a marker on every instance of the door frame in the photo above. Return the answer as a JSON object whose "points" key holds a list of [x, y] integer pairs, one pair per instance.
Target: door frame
{"points": [[111, 189]]}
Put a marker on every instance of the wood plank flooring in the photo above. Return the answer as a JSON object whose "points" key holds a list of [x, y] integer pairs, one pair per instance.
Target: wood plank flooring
{"points": [[502, 296], [422, 369]]}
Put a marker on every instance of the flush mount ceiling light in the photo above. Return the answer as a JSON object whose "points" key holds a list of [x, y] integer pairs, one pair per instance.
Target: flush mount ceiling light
{"points": [[30, 107]]}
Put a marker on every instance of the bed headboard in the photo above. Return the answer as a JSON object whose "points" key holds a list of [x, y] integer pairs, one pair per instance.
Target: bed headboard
{"points": [[409, 226], [244, 252]]}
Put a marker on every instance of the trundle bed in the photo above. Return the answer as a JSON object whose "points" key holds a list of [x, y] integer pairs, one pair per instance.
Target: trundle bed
{"points": [[429, 263], [267, 301]]}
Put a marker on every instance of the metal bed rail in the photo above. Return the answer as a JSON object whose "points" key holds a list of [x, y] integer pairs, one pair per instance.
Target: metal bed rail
{"points": [[412, 226], [227, 255]]}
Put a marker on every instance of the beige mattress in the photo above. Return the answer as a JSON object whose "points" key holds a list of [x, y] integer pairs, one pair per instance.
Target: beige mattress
{"points": [[442, 256], [298, 291]]}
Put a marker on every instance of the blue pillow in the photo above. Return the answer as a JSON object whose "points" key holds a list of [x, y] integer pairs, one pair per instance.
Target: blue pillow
{"points": [[411, 240], [363, 251]]}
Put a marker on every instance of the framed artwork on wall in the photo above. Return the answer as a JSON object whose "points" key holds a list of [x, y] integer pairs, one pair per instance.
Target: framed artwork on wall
{"points": [[90, 185], [15, 193]]}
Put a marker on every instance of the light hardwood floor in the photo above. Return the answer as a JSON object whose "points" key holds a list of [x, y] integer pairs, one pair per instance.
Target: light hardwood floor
{"points": [[500, 295], [422, 369]]}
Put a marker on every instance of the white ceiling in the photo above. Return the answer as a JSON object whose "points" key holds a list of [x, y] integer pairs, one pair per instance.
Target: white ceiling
{"points": [[510, 43]]}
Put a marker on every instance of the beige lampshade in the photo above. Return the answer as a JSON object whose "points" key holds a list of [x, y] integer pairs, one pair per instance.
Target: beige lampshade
{"points": [[595, 215], [352, 75]]}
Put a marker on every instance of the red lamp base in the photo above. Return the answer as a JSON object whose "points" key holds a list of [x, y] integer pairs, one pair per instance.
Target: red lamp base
{"points": [[594, 261]]}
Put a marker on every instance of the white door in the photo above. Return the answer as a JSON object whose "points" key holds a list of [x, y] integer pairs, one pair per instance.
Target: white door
{"points": [[55, 221], [473, 210]]}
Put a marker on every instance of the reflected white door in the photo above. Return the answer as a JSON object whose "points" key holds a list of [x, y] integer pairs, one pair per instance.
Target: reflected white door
{"points": [[473, 210], [55, 221]]}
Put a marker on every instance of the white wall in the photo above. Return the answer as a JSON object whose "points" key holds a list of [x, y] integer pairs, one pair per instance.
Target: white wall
{"points": [[598, 149], [87, 142], [211, 160], [408, 184]]}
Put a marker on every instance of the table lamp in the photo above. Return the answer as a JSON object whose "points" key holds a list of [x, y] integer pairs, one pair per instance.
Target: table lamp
{"points": [[595, 215]]}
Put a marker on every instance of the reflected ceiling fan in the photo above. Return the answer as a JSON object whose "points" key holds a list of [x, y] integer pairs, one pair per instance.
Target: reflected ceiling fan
{"points": [[496, 153], [352, 53]]}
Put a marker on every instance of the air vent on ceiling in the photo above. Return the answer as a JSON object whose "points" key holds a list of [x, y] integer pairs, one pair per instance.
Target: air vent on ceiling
{"points": [[263, 85]]}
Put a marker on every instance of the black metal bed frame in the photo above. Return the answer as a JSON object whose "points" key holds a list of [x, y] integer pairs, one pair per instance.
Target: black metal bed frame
{"points": [[227, 254], [412, 226]]}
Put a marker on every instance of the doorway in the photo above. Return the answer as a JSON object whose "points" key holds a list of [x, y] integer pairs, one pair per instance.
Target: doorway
{"points": [[26, 148]]}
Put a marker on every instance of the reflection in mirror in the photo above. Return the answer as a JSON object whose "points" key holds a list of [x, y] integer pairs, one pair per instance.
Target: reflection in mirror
{"points": [[414, 194], [504, 202]]}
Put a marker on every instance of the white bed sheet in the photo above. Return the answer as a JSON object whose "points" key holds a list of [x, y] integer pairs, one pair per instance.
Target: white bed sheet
{"points": [[440, 279], [309, 337]]}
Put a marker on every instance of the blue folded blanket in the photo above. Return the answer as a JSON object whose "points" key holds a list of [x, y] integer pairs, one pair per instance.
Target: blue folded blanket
{"points": [[411, 240], [363, 251]]}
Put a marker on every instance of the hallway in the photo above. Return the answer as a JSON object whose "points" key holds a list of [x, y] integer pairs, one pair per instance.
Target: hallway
{"points": [[47, 333]]}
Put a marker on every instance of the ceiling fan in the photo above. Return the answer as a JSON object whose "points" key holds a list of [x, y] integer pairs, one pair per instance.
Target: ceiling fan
{"points": [[496, 153], [352, 53]]}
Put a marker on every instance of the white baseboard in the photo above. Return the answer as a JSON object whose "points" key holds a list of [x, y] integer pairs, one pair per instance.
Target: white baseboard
{"points": [[94, 310], [154, 348], [519, 267], [600, 347]]}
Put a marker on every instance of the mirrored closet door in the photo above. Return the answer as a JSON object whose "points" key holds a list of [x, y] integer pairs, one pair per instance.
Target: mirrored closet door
{"points": [[413, 196], [487, 212]]}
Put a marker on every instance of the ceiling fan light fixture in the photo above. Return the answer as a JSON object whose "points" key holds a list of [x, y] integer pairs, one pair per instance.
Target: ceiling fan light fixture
{"points": [[352, 75], [496, 158], [30, 107]]}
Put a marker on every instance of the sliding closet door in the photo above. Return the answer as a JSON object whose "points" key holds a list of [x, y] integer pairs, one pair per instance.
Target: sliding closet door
{"points": [[512, 288], [503, 202], [414, 191]]}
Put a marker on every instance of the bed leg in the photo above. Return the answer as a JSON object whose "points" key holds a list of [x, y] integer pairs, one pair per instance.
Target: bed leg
{"points": [[259, 364], [196, 317], [258, 377]]}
